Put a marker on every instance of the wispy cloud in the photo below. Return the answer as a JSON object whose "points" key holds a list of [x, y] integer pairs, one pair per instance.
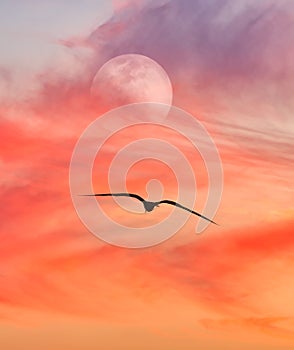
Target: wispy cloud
{"points": [[231, 65]]}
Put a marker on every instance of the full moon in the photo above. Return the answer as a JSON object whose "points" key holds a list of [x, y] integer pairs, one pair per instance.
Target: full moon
{"points": [[130, 79]]}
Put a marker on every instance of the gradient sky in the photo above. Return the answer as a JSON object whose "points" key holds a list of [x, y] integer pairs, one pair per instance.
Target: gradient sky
{"points": [[231, 64]]}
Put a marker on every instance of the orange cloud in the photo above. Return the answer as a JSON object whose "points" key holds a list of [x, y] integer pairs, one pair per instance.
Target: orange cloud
{"points": [[235, 278]]}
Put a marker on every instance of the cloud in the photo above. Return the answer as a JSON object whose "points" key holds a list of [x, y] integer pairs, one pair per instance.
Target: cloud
{"points": [[231, 59], [231, 65]]}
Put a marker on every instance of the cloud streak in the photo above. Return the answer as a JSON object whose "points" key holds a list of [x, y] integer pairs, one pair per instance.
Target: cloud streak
{"points": [[231, 65]]}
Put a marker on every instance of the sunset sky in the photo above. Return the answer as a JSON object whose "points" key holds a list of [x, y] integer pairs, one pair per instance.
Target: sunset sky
{"points": [[230, 64]]}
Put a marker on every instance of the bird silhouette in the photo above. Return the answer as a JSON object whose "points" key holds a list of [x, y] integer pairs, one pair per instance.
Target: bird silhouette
{"points": [[149, 206]]}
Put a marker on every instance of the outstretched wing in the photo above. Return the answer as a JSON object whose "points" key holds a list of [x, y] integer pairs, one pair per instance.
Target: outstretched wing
{"points": [[116, 195], [167, 201]]}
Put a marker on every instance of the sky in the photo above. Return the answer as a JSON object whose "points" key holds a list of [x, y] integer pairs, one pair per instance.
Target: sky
{"points": [[231, 67]]}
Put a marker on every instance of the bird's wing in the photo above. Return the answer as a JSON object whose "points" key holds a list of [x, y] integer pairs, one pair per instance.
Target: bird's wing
{"points": [[167, 201], [116, 195]]}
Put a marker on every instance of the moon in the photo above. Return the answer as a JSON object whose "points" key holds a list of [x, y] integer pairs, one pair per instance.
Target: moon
{"points": [[131, 78]]}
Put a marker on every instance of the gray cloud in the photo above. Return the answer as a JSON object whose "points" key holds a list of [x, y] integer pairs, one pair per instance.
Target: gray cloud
{"points": [[232, 62]]}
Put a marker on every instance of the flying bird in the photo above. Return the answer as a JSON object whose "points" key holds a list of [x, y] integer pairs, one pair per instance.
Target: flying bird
{"points": [[149, 206]]}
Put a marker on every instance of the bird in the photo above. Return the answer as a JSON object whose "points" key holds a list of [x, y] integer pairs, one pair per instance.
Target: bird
{"points": [[149, 206]]}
